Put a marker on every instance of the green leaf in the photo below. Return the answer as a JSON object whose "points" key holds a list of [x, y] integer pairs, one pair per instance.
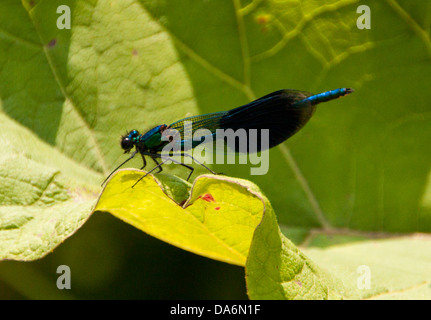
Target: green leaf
{"points": [[219, 221], [40, 205], [216, 221], [396, 268], [276, 269]]}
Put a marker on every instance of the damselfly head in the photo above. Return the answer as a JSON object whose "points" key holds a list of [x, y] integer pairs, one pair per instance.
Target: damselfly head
{"points": [[129, 140]]}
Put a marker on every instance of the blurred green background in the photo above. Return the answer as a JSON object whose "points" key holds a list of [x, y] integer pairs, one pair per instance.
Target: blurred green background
{"points": [[362, 163]]}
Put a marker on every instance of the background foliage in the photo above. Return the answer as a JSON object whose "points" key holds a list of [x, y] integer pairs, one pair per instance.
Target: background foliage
{"points": [[361, 164]]}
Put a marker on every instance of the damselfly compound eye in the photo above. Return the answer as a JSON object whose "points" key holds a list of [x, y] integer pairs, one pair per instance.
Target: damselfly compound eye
{"points": [[126, 143]]}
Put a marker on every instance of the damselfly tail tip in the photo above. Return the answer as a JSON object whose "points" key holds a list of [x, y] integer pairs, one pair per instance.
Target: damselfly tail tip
{"points": [[349, 90]]}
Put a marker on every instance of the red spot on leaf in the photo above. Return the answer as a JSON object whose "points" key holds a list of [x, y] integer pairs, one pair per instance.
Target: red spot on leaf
{"points": [[217, 208], [299, 283], [262, 19], [52, 43], [207, 197]]}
